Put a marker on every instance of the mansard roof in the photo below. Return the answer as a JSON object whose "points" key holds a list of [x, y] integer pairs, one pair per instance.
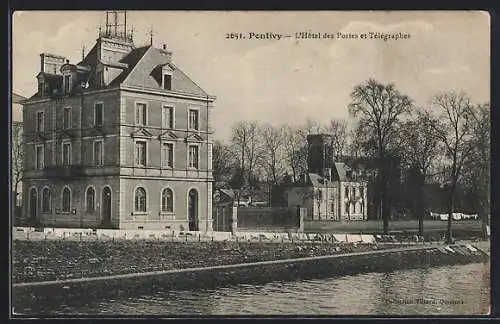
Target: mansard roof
{"points": [[141, 68], [143, 63]]}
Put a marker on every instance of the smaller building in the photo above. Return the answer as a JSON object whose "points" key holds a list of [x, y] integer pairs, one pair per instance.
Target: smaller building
{"points": [[336, 194], [222, 214]]}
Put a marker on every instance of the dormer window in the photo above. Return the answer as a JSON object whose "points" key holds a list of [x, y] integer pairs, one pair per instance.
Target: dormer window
{"points": [[166, 79], [67, 83], [167, 82]]}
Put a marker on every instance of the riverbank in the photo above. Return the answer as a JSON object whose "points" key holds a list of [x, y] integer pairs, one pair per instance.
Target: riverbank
{"points": [[368, 258], [35, 261]]}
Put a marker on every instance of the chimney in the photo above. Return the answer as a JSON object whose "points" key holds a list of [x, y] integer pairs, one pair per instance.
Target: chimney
{"points": [[166, 52], [50, 63]]}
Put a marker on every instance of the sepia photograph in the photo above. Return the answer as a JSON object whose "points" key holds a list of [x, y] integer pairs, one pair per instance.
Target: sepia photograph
{"points": [[250, 163]]}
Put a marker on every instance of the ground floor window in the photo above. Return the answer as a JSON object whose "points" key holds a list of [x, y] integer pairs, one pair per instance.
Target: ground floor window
{"points": [[90, 199], [140, 200], [66, 200], [167, 201], [45, 200]]}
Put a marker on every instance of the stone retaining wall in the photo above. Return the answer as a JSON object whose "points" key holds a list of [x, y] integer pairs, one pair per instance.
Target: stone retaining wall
{"points": [[249, 273]]}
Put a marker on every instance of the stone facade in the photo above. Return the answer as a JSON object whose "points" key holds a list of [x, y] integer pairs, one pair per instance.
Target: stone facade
{"points": [[101, 144]]}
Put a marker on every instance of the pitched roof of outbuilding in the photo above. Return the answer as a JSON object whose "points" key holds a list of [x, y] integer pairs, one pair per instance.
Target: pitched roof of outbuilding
{"points": [[342, 170]]}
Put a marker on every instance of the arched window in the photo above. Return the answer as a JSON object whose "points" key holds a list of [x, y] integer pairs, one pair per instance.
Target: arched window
{"points": [[167, 201], [140, 200], [90, 199], [46, 200], [66, 200]]}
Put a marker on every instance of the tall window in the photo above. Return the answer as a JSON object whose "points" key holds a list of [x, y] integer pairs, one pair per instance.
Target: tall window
{"points": [[193, 119], [167, 82], [193, 156], [66, 200], [66, 153], [140, 200], [167, 201], [362, 192], [140, 153], [45, 200], [168, 117], [346, 192], [67, 83], [353, 192], [140, 114], [39, 158], [40, 121], [347, 207], [90, 199], [98, 153], [99, 114], [67, 118], [167, 155], [332, 206]]}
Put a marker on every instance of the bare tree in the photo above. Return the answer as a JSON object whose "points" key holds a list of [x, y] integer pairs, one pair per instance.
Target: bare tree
{"points": [[338, 131], [294, 150], [419, 148], [223, 161], [454, 130], [478, 163], [312, 127], [245, 143], [273, 148], [379, 108], [17, 157]]}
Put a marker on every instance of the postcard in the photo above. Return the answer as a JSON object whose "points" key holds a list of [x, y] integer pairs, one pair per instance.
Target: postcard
{"points": [[234, 163]]}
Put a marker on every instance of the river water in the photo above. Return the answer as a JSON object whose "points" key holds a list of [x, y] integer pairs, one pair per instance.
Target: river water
{"points": [[450, 290]]}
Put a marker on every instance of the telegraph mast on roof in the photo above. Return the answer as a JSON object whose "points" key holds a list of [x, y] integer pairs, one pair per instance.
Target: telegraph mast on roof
{"points": [[116, 26]]}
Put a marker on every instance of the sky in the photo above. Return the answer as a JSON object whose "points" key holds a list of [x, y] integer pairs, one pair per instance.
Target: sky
{"points": [[288, 80]]}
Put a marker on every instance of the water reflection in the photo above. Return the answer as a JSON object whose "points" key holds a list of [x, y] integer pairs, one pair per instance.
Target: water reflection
{"points": [[409, 292]]}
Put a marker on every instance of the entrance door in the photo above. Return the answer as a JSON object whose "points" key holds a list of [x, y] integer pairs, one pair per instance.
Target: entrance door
{"points": [[193, 210], [33, 204], [106, 206]]}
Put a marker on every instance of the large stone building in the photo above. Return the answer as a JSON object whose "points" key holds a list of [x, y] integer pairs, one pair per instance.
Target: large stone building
{"points": [[330, 191], [121, 139]]}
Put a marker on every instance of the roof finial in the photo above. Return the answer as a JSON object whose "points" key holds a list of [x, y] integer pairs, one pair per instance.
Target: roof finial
{"points": [[83, 52], [151, 36]]}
